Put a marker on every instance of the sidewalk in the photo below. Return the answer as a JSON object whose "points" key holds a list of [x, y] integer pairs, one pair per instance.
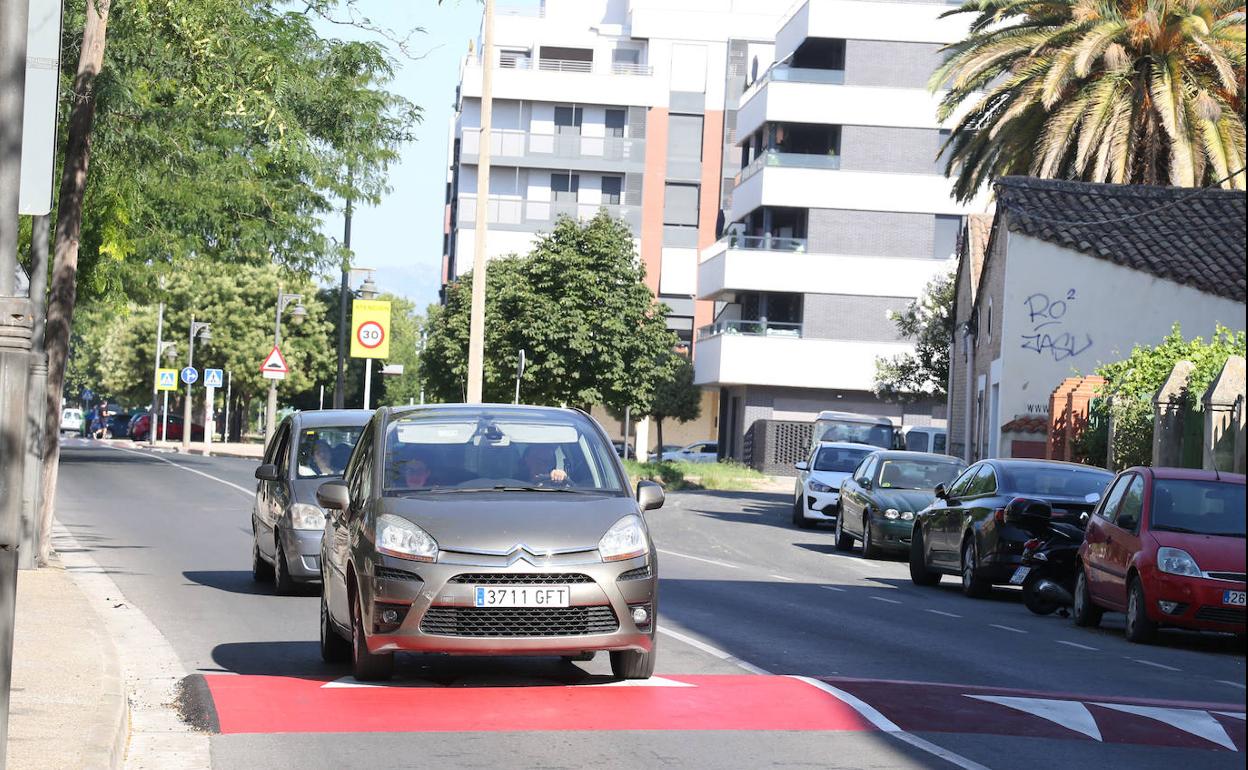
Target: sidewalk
{"points": [[68, 705], [218, 449]]}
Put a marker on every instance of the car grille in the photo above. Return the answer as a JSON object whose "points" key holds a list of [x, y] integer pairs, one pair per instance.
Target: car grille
{"points": [[641, 573], [520, 578], [387, 573], [1221, 615], [519, 621], [1237, 577]]}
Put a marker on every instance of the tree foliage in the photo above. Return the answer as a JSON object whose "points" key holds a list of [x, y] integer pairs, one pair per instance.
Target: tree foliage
{"points": [[676, 397], [577, 305], [928, 322], [1123, 91], [1131, 384]]}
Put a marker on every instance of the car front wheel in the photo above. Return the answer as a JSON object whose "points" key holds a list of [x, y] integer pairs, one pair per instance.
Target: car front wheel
{"points": [[869, 548], [632, 664], [283, 583], [261, 570], [920, 575], [367, 666], [334, 649], [1085, 611], [844, 542], [1140, 628], [799, 514]]}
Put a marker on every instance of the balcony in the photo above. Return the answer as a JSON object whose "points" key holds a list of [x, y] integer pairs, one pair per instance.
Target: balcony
{"points": [[758, 263], [788, 360], [788, 160], [860, 20], [571, 151], [519, 214], [751, 328], [819, 96], [562, 80]]}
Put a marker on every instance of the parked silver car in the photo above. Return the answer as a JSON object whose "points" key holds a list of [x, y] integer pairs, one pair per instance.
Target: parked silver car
{"points": [[286, 522], [487, 530]]}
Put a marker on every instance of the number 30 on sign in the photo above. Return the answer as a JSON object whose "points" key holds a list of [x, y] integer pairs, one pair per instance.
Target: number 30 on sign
{"points": [[370, 328]]}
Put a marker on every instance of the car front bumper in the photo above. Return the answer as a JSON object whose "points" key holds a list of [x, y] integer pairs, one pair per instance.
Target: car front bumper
{"points": [[821, 506], [1200, 603], [435, 604], [891, 534], [303, 553]]}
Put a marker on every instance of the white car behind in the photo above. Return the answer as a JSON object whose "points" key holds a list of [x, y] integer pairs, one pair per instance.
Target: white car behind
{"points": [[817, 493], [697, 452], [71, 420]]}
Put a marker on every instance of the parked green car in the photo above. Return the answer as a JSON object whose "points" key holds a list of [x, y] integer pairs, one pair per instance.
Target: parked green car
{"points": [[882, 495]]}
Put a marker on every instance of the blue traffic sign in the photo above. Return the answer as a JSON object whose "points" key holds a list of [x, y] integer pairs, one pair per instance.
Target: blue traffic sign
{"points": [[87, 395], [213, 378], [190, 376]]}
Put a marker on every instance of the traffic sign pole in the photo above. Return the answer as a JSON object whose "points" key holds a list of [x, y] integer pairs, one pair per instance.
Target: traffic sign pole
{"points": [[160, 328], [210, 394], [368, 381]]}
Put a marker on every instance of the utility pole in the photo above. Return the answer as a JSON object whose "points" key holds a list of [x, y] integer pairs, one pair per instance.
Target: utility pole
{"points": [[16, 322], [204, 332], [160, 330], [296, 317], [37, 393], [340, 384], [476, 324]]}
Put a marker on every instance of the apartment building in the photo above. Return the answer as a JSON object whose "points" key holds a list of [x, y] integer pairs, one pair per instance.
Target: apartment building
{"points": [[838, 215]]}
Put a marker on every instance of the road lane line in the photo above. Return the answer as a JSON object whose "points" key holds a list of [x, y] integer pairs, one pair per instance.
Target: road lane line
{"points": [[782, 577], [1076, 645], [834, 588], [699, 558], [1008, 628], [882, 599], [942, 612], [232, 485], [886, 725], [714, 651], [1155, 665], [1232, 684]]}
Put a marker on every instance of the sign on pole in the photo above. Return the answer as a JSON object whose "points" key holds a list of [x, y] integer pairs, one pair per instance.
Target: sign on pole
{"points": [[190, 375], [43, 77], [214, 378], [166, 379], [370, 328], [274, 366]]}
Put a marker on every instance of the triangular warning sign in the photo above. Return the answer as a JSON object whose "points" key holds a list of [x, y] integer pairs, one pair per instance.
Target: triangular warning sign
{"points": [[274, 363]]}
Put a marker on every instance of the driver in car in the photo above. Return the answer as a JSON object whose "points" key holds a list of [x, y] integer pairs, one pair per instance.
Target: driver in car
{"points": [[540, 464]]}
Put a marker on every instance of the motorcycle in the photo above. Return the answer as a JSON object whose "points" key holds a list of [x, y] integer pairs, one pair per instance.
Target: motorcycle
{"points": [[1049, 567]]}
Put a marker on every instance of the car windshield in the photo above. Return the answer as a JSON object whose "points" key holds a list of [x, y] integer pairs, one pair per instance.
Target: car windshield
{"points": [[917, 474], [1198, 506], [840, 459], [879, 435], [1059, 481], [430, 451], [323, 452]]}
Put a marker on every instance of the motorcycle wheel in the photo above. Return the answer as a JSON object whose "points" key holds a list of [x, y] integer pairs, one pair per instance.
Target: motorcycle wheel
{"points": [[1032, 598]]}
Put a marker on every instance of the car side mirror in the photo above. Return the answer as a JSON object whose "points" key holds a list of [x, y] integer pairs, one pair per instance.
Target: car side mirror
{"points": [[801, 465], [649, 495], [332, 495], [267, 472], [942, 493], [865, 484]]}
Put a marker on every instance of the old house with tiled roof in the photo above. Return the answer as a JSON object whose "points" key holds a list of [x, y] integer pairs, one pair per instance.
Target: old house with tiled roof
{"points": [[1070, 275]]}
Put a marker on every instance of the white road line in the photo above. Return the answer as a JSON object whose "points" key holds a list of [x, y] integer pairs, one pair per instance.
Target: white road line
{"points": [[699, 558], [1076, 645], [1155, 665], [886, 725], [1240, 685], [244, 490], [946, 614], [782, 577], [882, 599], [838, 589], [714, 651], [1008, 628]]}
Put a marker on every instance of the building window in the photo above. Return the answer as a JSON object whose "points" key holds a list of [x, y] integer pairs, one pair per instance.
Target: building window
{"points": [[680, 205], [684, 137], [565, 187], [612, 186], [514, 58], [989, 324], [942, 158], [616, 120], [945, 236], [568, 120]]}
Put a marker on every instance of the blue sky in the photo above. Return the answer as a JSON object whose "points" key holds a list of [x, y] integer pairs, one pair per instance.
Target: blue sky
{"points": [[402, 237]]}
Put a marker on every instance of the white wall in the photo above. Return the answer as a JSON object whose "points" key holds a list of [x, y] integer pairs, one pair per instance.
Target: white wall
{"points": [[870, 20], [679, 271], [813, 188], [832, 104], [738, 359], [1101, 311], [498, 243]]}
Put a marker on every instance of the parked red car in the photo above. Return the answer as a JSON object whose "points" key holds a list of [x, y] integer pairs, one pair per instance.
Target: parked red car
{"points": [[1165, 546], [139, 428]]}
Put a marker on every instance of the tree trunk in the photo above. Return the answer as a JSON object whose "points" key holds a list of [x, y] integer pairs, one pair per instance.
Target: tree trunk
{"points": [[658, 432], [64, 288]]}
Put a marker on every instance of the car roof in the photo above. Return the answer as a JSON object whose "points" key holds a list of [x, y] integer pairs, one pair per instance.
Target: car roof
{"points": [[518, 408], [1016, 462], [317, 418], [1192, 474], [901, 454]]}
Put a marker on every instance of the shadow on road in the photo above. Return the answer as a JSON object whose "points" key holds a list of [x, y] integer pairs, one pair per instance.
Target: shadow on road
{"points": [[238, 581]]}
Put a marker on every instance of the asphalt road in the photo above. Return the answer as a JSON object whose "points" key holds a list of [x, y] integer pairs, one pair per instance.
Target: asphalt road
{"points": [[892, 675]]}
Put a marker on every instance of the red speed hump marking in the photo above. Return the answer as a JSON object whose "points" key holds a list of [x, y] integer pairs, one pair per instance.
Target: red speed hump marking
{"points": [[370, 334]]}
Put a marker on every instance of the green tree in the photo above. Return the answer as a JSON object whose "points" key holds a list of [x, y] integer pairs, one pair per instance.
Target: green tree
{"points": [[928, 322], [676, 397], [578, 306], [1123, 91]]}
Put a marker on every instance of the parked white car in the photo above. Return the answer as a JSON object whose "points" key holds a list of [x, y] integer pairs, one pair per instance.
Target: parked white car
{"points": [[697, 452], [71, 420], [817, 493]]}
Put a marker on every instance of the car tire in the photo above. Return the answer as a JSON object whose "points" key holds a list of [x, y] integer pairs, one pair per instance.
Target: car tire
{"points": [[283, 583], [799, 515], [869, 549], [1032, 599], [631, 664], [973, 586], [334, 648], [1140, 629], [844, 542], [367, 666], [1085, 612], [920, 575], [261, 570]]}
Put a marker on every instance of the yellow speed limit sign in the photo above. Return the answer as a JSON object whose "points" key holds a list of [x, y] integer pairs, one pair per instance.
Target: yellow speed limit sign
{"points": [[370, 328]]}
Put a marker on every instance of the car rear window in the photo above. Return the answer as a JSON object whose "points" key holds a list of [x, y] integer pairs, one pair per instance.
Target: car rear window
{"points": [[1198, 506], [840, 459], [1058, 481]]}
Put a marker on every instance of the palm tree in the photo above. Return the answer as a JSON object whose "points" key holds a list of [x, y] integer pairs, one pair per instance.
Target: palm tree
{"points": [[1123, 91]]}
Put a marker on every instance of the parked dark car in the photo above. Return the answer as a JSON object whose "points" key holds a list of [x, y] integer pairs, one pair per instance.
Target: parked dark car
{"points": [[307, 449], [880, 498], [971, 529], [1167, 548]]}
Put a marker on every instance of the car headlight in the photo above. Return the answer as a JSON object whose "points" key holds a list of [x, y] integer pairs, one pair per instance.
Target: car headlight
{"points": [[625, 540], [892, 513], [907, 515], [398, 537], [815, 486], [304, 516], [1175, 561]]}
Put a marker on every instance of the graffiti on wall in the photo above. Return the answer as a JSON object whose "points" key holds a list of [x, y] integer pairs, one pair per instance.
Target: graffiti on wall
{"points": [[1050, 335]]}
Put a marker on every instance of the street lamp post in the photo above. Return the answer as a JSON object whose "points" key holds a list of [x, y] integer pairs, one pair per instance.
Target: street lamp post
{"points": [[368, 290], [169, 350], [296, 317], [204, 332]]}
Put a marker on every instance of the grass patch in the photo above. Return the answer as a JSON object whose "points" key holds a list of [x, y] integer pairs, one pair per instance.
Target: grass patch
{"points": [[675, 476]]}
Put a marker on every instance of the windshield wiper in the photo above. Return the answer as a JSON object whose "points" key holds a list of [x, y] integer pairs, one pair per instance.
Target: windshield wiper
{"points": [[512, 488], [1180, 530]]}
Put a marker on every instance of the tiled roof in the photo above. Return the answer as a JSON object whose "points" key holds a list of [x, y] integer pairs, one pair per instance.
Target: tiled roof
{"points": [[1186, 235], [1026, 425]]}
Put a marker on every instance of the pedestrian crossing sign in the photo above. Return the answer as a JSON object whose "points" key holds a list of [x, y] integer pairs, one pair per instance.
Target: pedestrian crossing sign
{"points": [[213, 378], [166, 379]]}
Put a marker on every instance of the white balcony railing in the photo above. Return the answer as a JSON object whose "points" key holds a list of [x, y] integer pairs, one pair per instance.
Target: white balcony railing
{"points": [[520, 212], [752, 328], [787, 160], [510, 143], [513, 61]]}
